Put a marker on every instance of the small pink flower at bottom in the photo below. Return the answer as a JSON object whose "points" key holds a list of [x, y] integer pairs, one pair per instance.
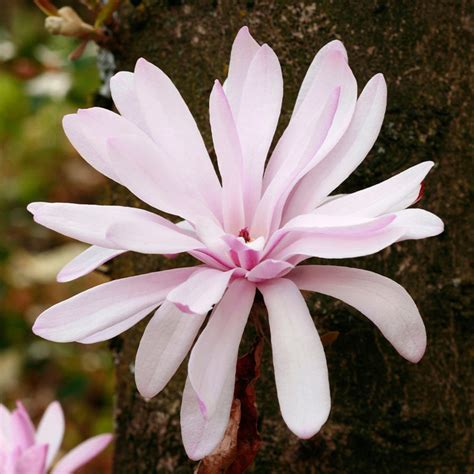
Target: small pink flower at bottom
{"points": [[249, 230], [26, 450]]}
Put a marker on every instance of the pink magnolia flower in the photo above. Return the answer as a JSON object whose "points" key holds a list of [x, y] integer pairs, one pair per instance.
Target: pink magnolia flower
{"points": [[249, 230], [24, 450]]}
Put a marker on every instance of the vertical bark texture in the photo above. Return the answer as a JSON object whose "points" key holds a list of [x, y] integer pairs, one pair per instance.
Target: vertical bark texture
{"points": [[388, 416]]}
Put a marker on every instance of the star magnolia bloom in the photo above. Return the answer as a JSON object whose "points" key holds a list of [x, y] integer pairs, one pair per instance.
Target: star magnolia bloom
{"points": [[24, 450], [249, 232]]}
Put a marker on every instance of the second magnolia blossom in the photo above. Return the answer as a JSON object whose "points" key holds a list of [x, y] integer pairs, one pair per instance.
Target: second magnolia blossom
{"points": [[249, 230], [26, 450]]}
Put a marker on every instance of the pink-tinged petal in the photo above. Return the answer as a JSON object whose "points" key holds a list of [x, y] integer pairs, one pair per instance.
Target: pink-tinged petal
{"points": [[165, 343], [86, 262], [268, 214], [22, 429], [5, 426], [51, 430], [244, 254], [243, 51], [338, 242], [151, 237], [384, 302], [330, 223], [88, 131], [32, 460], [122, 88], [299, 362], [118, 328], [155, 177], [82, 454], [211, 259], [256, 119], [418, 224], [107, 305], [333, 74], [315, 68], [346, 155], [90, 223], [269, 269], [201, 436], [392, 195], [229, 159], [173, 127], [203, 289], [214, 355]]}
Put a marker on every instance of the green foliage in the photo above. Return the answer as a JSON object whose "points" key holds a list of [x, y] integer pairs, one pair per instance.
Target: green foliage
{"points": [[38, 86]]}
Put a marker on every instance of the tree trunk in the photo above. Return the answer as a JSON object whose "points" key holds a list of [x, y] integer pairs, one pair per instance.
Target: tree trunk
{"points": [[388, 416]]}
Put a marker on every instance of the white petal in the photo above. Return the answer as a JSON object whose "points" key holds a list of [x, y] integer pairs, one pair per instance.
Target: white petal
{"points": [[215, 353], [384, 302], [106, 305], [393, 194], [86, 262], [203, 289], [201, 436], [165, 343], [173, 127], [82, 454], [298, 359], [51, 430], [346, 155]]}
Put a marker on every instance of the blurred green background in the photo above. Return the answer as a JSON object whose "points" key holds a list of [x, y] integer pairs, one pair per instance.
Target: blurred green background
{"points": [[38, 86]]}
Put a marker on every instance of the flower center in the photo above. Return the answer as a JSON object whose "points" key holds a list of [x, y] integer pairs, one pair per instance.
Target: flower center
{"points": [[244, 233]]}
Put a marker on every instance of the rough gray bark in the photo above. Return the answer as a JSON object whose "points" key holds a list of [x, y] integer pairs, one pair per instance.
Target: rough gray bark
{"points": [[388, 416]]}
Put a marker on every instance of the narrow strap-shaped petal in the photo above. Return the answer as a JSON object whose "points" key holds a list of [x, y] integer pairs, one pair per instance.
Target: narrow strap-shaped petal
{"points": [[5, 426], [51, 430], [22, 429], [299, 362], [32, 460], [154, 176], [117, 328], [314, 69], [124, 95], [88, 131], [151, 237], [333, 73], [346, 155], [91, 223], [268, 214], [243, 51], [268, 269], [173, 127], [215, 353], [418, 224], [203, 289], [106, 305], [86, 262], [384, 302], [201, 436], [348, 241], [257, 119], [393, 194], [82, 454], [165, 343], [229, 158]]}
